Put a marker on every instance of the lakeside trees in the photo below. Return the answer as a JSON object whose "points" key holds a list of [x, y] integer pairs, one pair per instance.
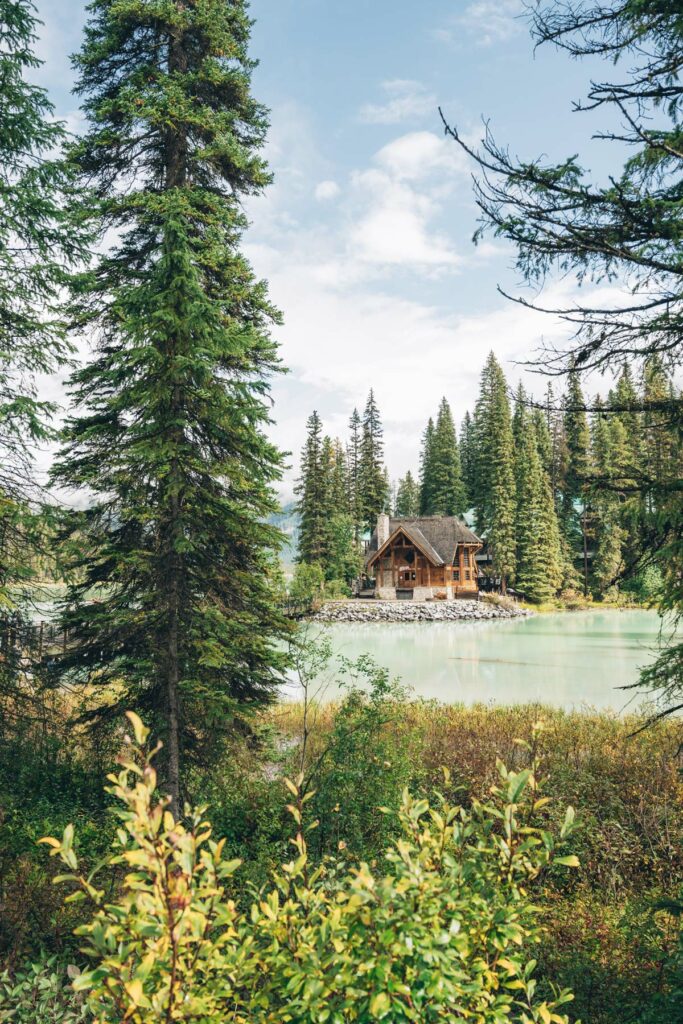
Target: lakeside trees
{"points": [[442, 489], [169, 434], [532, 478]]}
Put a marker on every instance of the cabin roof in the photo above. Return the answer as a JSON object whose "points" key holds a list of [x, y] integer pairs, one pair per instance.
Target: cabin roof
{"points": [[437, 536]]}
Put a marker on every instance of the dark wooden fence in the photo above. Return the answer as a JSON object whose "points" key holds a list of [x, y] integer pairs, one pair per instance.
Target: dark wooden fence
{"points": [[30, 641], [297, 609]]}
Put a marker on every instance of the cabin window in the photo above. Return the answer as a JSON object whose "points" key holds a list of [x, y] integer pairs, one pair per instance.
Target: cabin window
{"points": [[456, 575], [466, 557], [468, 574]]}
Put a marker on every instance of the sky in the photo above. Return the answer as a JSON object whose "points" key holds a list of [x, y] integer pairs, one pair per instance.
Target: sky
{"points": [[365, 236]]}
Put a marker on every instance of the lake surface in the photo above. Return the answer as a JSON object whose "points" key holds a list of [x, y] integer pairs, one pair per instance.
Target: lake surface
{"points": [[570, 660]]}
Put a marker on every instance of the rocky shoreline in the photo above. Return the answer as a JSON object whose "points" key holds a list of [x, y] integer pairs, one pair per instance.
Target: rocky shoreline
{"points": [[415, 611]]}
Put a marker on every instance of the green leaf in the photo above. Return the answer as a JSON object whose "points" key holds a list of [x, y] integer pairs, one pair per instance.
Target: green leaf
{"points": [[139, 730], [380, 1005], [570, 861]]}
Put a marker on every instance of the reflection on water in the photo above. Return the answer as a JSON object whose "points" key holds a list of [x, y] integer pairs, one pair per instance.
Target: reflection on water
{"points": [[568, 660]]}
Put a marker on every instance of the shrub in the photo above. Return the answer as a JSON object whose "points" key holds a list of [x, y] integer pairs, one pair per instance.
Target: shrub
{"points": [[308, 584], [42, 994], [443, 931], [500, 601], [365, 760]]}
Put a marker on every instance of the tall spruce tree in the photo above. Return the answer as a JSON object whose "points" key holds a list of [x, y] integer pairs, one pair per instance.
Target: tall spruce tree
{"points": [[353, 453], [447, 493], [39, 242], [407, 496], [467, 457], [313, 498], [538, 557], [372, 479], [555, 426], [607, 442], [169, 434], [575, 514], [339, 480], [543, 442], [494, 470], [427, 470], [520, 424]]}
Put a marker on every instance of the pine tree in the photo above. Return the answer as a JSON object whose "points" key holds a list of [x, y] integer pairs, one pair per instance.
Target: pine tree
{"points": [[554, 420], [339, 480], [494, 475], [543, 442], [311, 488], [660, 444], [388, 491], [427, 475], [39, 242], [575, 512], [407, 496], [447, 493], [520, 424], [353, 454], [372, 480], [607, 440], [467, 458], [624, 397], [539, 557], [171, 413]]}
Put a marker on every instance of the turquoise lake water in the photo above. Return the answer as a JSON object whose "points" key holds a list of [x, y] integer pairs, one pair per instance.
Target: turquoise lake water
{"points": [[571, 660]]}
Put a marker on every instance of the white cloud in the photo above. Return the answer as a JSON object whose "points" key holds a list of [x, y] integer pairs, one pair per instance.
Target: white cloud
{"points": [[325, 190], [485, 21], [419, 155], [395, 228], [398, 200], [405, 100]]}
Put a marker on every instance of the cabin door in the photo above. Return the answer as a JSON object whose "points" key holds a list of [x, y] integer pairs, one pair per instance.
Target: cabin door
{"points": [[407, 578]]}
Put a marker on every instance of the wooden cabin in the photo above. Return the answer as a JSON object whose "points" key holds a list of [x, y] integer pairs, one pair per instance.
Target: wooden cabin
{"points": [[422, 558]]}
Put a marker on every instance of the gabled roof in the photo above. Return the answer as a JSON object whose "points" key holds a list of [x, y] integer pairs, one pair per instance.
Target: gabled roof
{"points": [[437, 536]]}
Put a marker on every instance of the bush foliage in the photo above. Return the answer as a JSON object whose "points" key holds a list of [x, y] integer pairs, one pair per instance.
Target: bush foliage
{"points": [[445, 928], [611, 933]]}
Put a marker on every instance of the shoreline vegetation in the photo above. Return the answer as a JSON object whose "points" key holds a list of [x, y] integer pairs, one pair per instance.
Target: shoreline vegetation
{"points": [[605, 931]]}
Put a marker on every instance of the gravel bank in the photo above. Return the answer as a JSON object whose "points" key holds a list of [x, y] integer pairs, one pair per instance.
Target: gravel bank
{"points": [[414, 611]]}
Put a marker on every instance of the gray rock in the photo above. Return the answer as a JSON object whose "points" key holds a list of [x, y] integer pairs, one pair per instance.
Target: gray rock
{"points": [[409, 611]]}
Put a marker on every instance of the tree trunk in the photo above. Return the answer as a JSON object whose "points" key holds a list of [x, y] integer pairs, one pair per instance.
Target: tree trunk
{"points": [[173, 697], [176, 176]]}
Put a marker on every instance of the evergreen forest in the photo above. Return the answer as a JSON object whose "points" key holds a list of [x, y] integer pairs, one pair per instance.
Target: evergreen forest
{"points": [[549, 484]]}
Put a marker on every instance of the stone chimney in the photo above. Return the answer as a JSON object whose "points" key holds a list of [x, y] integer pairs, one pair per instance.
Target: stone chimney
{"points": [[383, 528]]}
